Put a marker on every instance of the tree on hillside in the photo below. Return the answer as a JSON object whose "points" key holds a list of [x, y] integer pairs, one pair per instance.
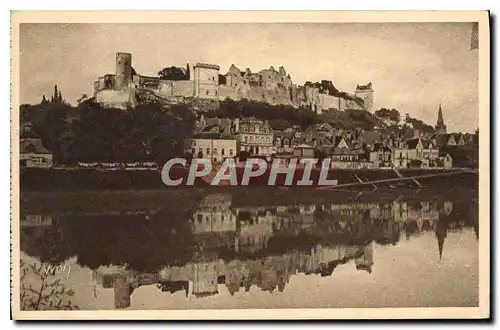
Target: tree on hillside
{"points": [[391, 114], [418, 124], [172, 73]]}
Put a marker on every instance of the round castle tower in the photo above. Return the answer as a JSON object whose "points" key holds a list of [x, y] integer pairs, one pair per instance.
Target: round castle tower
{"points": [[123, 70]]}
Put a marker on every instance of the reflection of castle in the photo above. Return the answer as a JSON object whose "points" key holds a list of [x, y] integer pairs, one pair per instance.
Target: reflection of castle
{"points": [[203, 81], [343, 234]]}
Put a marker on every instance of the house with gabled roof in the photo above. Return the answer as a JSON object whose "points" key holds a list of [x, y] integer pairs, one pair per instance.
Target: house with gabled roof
{"points": [[284, 141], [32, 153], [459, 139], [215, 140], [381, 155], [444, 140], [416, 151]]}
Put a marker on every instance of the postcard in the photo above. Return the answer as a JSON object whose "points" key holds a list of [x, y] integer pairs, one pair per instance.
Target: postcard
{"points": [[250, 165]]}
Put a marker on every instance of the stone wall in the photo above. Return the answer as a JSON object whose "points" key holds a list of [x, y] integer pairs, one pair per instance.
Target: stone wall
{"points": [[329, 102], [173, 88], [229, 92], [271, 96], [116, 99]]}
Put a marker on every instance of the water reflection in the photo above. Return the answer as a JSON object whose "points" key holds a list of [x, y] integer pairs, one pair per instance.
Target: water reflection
{"points": [[218, 244]]}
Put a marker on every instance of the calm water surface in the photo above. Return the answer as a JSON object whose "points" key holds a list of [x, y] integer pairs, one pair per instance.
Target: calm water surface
{"points": [[354, 251]]}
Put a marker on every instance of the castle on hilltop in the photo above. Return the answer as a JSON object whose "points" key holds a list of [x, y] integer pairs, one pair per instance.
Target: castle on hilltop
{"points": [[203, 81]]}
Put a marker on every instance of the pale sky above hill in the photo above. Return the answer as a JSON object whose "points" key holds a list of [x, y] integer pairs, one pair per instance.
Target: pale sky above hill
{"points": [[413, 66]]}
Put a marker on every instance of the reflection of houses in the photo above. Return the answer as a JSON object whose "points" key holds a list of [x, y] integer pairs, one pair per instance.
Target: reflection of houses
{"points": [[33, 154], [205, 278], [417, 217], [214, 215], [174, 286], [35, 220], [256, 229], [121, 280], [365, 260], [346, 235], [441, 233]]}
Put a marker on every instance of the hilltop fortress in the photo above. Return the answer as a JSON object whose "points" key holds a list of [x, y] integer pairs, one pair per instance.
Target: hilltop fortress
{"points": [[203, 82]]}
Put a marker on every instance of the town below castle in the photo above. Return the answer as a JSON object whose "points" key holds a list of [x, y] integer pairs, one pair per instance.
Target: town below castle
{"points": [[284, 121]]}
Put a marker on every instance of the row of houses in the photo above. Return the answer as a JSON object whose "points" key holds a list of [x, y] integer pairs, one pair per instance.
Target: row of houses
{"points": [[220, 138]]}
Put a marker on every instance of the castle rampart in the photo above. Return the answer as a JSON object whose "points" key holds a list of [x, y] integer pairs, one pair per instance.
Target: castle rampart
{"points": [[203, 81]]}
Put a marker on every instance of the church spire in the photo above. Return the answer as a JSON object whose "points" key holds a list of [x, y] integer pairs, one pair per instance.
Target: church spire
{"points": [[440, 121], [440, 126]]}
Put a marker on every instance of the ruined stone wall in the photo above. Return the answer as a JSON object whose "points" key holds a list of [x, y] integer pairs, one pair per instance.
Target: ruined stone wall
{"points": [[121, 99], [367, 97], [230, 92], [271, 96], [174, 88], [329, 102], [353, 105]]}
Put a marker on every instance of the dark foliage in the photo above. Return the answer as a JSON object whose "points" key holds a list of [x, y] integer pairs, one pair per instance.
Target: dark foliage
{"points": [[281, 115], [391, 114], [90, 133]]}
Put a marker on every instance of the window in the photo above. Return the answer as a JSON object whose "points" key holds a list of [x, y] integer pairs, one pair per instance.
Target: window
{"points": [[201, 150], [215, 151], [193, 151], [222, 151], [380, 157], [230, 151], [245, 138], [252, 129], [207, 92], [208, 151], [245, 129], [30, 148], [193, 143]]}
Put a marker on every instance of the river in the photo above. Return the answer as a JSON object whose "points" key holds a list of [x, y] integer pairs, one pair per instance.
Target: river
{"points": [[222, 249]]}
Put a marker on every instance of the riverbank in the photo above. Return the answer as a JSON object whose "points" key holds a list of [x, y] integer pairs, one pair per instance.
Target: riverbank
{"points": [[186, 199], [32, 179]]}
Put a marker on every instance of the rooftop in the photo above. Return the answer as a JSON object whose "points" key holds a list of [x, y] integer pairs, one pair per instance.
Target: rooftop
{"points": [[207, 66]]}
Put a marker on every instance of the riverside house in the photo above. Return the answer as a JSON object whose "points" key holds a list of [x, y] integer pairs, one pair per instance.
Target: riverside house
{"points": [[415, 152]]}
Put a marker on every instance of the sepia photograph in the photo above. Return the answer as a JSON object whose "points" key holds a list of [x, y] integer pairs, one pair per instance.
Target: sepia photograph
{"points": [[250, 165]]}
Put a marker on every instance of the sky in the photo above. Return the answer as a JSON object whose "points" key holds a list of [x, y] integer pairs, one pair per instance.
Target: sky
{"points": [[413, 67]]}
